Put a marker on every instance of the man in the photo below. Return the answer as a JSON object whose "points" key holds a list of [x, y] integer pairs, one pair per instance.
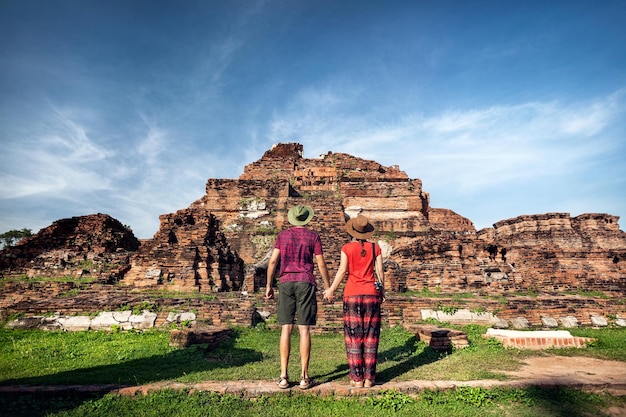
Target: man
{"points": [[296, 248]]}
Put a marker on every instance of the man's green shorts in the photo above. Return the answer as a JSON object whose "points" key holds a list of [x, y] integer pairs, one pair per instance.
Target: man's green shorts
{"points": [[296, 298]]}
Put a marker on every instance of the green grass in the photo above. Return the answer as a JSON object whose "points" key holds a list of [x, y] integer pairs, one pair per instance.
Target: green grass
{"points": [[463, 402], [131, 358], [611, 344], [38, 357]]}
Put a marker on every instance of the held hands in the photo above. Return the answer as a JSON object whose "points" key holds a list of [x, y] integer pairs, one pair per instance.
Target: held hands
{"points": [[328, 294]]}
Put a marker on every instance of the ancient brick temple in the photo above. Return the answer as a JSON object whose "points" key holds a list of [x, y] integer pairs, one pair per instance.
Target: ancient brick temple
{"points": [[222, 241], [236, 221]]}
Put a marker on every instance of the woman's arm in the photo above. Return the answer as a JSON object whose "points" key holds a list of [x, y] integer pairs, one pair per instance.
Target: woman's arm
{"points": [[341, 272], [378, 266]]}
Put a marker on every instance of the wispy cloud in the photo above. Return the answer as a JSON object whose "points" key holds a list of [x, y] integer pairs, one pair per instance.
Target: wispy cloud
{"points": [[65, 167], [59, 158], [465, 148]]}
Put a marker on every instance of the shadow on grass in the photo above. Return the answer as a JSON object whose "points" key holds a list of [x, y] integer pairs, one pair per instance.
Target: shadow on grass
{"points": [[402, 355], [406, 360], [197, 358]]}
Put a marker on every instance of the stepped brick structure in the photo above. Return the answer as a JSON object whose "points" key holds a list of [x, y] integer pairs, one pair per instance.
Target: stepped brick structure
{"points": [[247, 213], [222, 241], [236, 221]]}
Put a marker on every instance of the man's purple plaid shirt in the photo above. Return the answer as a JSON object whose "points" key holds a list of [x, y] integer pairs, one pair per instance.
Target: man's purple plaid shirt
{"points": [[298, 247]]}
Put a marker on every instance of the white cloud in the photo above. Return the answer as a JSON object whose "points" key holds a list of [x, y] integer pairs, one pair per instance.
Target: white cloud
{"points": [[60, 158], [150, 147], [469, 149], [70, 141]]}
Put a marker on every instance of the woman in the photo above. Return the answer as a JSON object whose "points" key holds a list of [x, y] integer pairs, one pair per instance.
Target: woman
{"points": [[363, 261]]}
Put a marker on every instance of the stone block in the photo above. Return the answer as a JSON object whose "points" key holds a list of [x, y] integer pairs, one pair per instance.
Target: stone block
{"points": [[599, 321], [569, 322], [620, 322], [501, 324], [429, 314], [172, 317], [142, 321], [188, 316], [104, 321], [463, 316], [549, 322], [211, 336], [51, 323], [25, 323], [122, 316], [75, 323], [538, 339], [520, 323]]}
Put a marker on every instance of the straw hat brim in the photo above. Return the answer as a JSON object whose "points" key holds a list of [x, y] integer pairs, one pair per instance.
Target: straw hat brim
{"points": [[366, 234]]}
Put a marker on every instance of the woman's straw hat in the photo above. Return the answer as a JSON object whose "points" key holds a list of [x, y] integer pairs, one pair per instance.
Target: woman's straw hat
{"points": [[360, 227]]}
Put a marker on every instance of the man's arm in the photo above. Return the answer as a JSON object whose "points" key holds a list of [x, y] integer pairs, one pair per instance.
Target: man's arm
{"points": [[271, 269], [321, 264]]}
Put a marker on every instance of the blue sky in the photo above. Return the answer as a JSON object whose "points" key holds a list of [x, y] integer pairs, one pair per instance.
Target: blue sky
{"points": [[126, 107]]}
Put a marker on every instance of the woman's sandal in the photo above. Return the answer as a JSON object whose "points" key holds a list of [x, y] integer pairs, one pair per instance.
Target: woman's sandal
{"points": [[356, 384], [368, 383], [283, 382]]}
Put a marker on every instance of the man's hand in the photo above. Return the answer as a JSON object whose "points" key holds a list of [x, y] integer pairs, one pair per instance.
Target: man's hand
{"points": [[269, 293]]}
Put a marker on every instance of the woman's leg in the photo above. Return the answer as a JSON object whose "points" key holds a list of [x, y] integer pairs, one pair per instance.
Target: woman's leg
{"points": [[353, 336], [371, 335]]}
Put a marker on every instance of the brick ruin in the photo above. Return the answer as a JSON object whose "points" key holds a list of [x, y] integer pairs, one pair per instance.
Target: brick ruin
{"points": [[97, 246], [220, 244]]}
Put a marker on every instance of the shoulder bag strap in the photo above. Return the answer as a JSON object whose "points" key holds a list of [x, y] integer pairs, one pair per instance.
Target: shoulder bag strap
{"points": [[374, 262]]}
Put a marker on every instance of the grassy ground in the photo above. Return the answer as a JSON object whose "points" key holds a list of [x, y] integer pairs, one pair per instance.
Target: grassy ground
{"points": [[470, 402], [36, 358]]}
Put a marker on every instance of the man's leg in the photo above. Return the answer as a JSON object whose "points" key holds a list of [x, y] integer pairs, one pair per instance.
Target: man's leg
{"points": [[305, 349], [307, 316], [285, 348]]}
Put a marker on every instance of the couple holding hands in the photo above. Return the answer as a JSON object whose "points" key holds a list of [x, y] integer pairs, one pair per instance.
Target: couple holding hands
{"points": [[298, 249]]}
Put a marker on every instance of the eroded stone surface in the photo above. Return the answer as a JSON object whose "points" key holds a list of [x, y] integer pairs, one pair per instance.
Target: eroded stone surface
{"points": [[95, 246]]}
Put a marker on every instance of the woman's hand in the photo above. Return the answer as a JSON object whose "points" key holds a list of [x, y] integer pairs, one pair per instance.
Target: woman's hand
{"points": [[328, 294]]}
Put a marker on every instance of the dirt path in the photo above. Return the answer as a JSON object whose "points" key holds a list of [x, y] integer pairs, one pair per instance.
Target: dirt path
{"points": [[588, 373], [563, 370], [576, 372]]}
